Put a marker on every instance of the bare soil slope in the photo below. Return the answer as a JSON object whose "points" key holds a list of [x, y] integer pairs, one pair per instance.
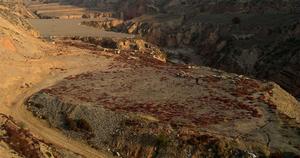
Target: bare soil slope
{"points": [[27, 65]]}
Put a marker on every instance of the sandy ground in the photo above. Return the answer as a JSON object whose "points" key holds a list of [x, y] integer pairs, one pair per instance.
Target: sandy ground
{"points": [[28, 65], [71, 27], [55, 9], [68, 23]]}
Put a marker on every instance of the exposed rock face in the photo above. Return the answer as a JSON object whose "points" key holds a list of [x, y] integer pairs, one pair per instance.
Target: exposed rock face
{"points": [[134, 8], [106, 25], [263, 45], [281, 64], [277, 62]]}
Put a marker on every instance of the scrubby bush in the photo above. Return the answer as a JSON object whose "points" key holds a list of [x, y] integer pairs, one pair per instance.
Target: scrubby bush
{"points": [[78, 124], [108, 43]]}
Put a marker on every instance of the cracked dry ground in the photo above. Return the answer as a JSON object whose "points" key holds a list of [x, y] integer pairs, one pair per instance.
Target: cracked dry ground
{"points": [[135, 108]]}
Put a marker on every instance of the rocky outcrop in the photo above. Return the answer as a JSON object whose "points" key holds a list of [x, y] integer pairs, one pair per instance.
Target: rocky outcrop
{"points": [[16, 141], [105, 25], [119, 46], [267, 51]]}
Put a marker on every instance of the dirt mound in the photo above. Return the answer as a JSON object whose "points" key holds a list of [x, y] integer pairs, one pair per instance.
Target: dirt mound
{"points": [[136, 110]]}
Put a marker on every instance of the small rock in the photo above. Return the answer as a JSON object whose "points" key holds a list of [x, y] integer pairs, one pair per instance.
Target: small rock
{"points": [[131, 57]]}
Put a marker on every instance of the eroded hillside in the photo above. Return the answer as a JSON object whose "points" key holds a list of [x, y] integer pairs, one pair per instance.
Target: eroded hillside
{"points": [[260, 39], [82, 96]]}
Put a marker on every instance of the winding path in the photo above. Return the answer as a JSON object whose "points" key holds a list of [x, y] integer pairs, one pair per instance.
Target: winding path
{"points": [[30, 76]]}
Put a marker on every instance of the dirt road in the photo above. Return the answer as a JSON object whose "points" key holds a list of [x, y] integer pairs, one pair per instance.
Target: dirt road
{"points": [[23, 78], [28, 64]]}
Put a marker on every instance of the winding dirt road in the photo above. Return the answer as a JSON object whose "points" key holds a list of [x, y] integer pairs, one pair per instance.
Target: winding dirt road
{"points": [[27, 65], [20, 79]]}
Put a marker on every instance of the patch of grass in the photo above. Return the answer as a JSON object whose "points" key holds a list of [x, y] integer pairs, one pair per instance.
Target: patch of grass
{"points": [[22, 125], [163, 140]]}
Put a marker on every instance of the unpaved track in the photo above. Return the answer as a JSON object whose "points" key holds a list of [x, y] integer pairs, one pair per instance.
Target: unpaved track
{"points": [[26, 66], [40, 128], [14, 93]]}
